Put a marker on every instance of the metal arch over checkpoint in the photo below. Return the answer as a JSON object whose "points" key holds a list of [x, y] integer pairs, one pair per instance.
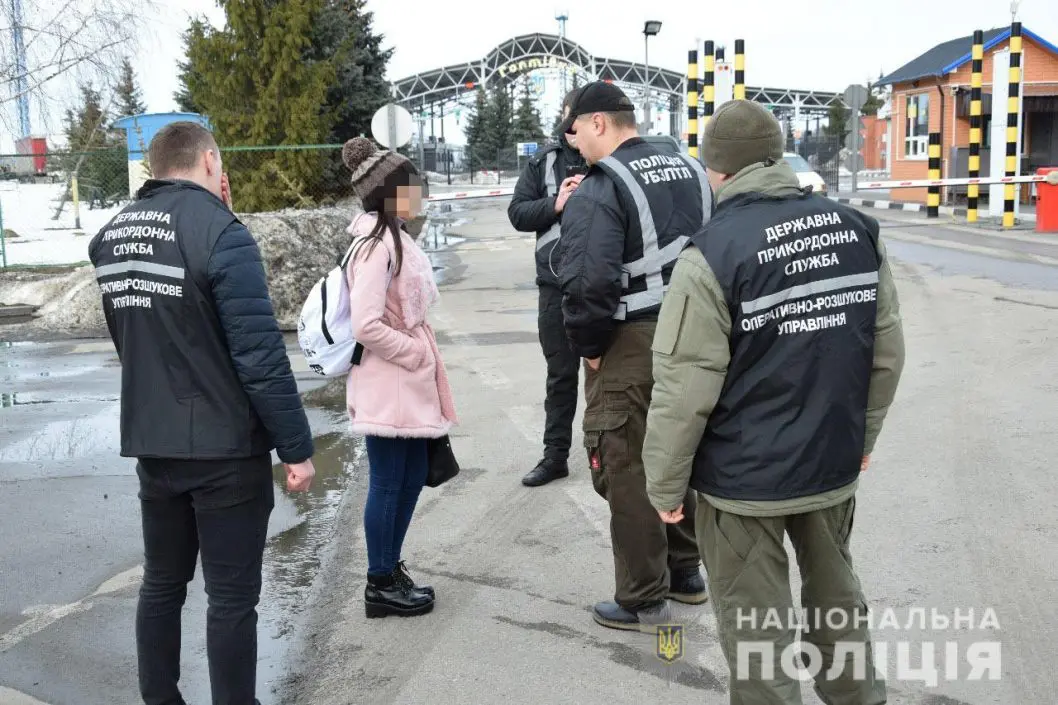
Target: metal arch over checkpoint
{"points": [[530, 52]]}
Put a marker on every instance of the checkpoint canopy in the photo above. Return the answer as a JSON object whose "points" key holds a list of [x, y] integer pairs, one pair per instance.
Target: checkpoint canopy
{"points": [[139, 131]]}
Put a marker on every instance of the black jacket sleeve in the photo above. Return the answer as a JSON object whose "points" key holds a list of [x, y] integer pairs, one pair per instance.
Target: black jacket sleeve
{"points": [[590, 271], [240, 291], [531, 209]]}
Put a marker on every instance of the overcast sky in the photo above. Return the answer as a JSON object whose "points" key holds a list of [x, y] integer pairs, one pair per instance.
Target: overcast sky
{"points": [[822, 45]]}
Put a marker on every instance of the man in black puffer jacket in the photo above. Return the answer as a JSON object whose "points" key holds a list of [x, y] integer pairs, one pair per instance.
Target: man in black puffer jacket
{"points": [[206, 394], [539, 199]]}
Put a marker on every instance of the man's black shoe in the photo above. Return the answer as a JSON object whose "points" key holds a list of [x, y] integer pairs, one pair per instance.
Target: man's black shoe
{"points": [[402, 577], [687, 586], [546, 471], [644, 619], [384, 596]]}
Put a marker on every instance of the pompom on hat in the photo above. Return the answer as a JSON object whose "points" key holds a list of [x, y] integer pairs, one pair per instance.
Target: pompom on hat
{"points": [[376, 172]]}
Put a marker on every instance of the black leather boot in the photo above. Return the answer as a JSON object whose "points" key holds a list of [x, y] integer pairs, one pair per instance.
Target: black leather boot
{"points": [[383, 596], [643, 618], [687, 586], [401, 576], [546, 471]]}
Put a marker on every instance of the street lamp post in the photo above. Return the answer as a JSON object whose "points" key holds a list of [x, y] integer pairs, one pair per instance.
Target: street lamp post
{"points": [[650, 29]]}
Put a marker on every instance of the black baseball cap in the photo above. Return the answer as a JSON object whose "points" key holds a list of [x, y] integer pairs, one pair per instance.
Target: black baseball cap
{"points": [[597, 97]]}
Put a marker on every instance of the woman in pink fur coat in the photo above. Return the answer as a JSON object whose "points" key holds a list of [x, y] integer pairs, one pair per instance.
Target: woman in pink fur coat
{"points": [[398, 395]]}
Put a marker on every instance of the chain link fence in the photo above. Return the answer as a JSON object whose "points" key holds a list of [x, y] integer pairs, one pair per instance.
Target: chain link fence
{"points": [[48, 199]]}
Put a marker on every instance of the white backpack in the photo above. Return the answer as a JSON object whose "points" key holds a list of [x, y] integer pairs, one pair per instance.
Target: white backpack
{"points": [[325, 330]]}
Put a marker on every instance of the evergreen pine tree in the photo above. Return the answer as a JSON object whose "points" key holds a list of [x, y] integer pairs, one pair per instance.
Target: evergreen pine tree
{"points": [[474, 131], [190, 81], [526, 127], [250, 78], [497, 140], [344, 36], [127, 92]]}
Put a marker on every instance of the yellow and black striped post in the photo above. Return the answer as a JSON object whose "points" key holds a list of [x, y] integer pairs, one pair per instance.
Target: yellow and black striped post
{"points": [[709, 84], [933, 199], [692, 103], [974, 165], [740, 69], [1013, 110]]}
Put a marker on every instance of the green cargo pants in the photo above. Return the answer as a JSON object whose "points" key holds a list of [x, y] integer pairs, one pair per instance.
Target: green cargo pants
{"points": [[645, 549], [749, 585]]}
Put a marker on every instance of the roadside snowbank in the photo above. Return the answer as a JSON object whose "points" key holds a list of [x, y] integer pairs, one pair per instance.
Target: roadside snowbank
{"points": [[297, 248]]}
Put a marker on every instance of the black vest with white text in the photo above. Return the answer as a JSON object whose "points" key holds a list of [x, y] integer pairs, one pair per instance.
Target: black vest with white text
{"points": [[800, 278], [666, 199]]}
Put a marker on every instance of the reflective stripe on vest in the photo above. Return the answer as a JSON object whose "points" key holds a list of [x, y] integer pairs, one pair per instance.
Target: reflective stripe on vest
{"points": [[654, 258], [703, 181], [552, 189]]}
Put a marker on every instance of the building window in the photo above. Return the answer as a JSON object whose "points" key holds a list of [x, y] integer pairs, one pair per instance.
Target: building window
{"points": [[916, 122]]}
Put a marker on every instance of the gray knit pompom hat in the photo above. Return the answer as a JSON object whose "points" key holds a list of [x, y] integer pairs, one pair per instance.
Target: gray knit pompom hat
{"points": [[376, 169]]}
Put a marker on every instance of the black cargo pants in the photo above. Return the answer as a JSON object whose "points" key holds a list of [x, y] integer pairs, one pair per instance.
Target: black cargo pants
{"points": [[216, 510], [563, 368], [645, 549]]}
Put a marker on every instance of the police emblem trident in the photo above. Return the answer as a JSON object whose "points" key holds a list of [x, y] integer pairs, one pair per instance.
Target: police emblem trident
{"points": [[670, 642]]}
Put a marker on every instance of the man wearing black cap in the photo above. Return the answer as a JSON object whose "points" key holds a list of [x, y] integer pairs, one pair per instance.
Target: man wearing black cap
{"points": [[539, 198], [622, 230]]}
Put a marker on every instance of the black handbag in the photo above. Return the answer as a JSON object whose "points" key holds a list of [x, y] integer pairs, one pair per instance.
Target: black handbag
{"points": [[442, 462]]}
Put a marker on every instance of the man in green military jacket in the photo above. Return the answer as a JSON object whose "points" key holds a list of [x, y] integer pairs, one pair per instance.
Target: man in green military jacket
{"points": [[777, 355]]}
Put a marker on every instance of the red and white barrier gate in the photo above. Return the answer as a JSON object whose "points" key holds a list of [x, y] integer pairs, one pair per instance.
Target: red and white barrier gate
{"points": [[1051, 178], [460, 195]]}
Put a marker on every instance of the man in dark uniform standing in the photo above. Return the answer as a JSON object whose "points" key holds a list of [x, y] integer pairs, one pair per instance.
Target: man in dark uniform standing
{"points": [[776, 359], [622, 231], [207, 393], [539, 200]]}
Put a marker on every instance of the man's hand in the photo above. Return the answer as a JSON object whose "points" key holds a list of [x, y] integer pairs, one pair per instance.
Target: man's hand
{"points": [[864, 463], [566, 190], [225, 191], [673, 517], [299, 476], [594, 363]]}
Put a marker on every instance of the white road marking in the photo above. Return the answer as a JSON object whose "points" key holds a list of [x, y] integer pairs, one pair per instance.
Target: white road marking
{"points": [[591, 505], [91, 348], [13, 697], [43, 616], [529, 420]]}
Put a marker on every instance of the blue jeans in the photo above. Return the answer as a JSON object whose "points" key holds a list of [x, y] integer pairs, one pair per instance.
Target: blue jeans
{"points": [[397, 476]]}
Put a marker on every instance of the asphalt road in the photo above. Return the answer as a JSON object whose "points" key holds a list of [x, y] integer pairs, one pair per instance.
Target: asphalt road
{"points": [[71, 559], [955, 514]]}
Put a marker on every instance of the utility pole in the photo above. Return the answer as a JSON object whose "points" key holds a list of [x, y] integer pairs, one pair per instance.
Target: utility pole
{"points": [[21, 80], [650, 29], [562, 16]]}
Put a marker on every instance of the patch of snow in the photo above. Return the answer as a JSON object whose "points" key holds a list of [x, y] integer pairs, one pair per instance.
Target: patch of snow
{"points": [[29, 210]]}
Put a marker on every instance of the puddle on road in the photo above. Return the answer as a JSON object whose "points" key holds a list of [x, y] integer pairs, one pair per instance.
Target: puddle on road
{"points": [[12, 399], [306, 525], [67, 439]]}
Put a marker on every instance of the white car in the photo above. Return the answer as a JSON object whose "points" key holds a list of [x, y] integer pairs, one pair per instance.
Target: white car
{"points": [[805, 174]]}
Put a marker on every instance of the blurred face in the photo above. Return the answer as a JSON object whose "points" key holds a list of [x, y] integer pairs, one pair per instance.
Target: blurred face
{"points": [[408, 202]]}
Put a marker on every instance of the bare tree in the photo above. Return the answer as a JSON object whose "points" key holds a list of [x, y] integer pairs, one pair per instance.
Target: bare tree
{"points": [[78, 39]]}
